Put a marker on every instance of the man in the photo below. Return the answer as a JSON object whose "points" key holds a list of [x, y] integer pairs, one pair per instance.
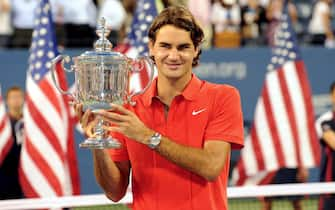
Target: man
{"points": [[325, 126], [178, 137], [9, 181]]}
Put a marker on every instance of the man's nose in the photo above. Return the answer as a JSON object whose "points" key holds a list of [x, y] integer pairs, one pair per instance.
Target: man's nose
{"points": [[173, 54]]}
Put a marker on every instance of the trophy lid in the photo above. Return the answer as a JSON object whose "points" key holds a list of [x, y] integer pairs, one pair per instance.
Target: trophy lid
{"points": [[102, 48]]}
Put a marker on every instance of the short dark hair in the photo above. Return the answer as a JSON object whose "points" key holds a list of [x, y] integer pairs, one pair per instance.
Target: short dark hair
{"points": [[332, 87], [182, 18], [13, 88]]}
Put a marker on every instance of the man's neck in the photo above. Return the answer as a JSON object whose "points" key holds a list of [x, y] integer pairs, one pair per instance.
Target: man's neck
{"points": [[15, 114], [167, 89]]}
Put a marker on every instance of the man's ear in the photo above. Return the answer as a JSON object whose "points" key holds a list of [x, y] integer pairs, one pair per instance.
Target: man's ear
{"points": [[197, 49]]}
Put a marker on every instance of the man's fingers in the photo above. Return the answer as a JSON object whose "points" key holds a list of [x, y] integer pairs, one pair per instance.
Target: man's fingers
{"points": [[79, 110], [85, 118], [89, 129], [120, 109], [111, 116], [113, 129]]}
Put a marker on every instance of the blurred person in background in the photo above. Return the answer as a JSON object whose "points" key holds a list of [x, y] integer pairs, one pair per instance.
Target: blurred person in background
{"points": [[5, 23], [23, 13], [80, 18], [129, 6], [325, 127], [9, 179], [253, 23], [201, 11], [288, 176], [320, 26], [226, 20], [115, 14], [57, 9], [273, 14]]}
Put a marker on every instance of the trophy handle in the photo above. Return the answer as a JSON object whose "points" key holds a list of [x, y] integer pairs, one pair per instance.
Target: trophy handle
{"points": [[137, 67], [54, 62]]}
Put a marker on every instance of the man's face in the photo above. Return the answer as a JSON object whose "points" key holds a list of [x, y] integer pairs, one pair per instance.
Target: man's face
{"points": [[15, 99], [173, 51]]}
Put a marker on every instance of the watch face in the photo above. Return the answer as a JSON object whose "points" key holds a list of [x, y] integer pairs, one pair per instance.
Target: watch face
{"points": [[154, 140]]}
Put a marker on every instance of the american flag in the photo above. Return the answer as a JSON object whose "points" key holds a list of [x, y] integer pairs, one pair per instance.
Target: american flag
{"points": [[137, 39], [283, 133], [48, 165], [6, 140]]}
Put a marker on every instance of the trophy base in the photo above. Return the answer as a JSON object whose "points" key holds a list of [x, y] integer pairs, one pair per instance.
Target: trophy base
{"points": [[108, 143]]}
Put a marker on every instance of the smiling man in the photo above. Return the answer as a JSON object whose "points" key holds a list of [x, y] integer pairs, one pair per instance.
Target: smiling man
{"points": [[178, 137]]}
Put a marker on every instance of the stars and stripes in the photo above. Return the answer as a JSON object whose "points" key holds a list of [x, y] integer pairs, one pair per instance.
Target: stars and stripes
{"points": [[282, 134], [48, 165], [137, 40], [138, 35], [6, 140]]}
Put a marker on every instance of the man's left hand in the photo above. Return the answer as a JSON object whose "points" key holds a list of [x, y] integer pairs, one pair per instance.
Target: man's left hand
{"points": [[125, 122]]}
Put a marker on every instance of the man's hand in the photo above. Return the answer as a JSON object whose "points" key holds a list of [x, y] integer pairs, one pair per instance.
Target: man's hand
{"points": [[87, 120], [125, 122]]}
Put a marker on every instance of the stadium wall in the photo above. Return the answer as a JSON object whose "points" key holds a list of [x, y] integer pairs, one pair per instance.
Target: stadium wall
{"points": [[243, 68]]}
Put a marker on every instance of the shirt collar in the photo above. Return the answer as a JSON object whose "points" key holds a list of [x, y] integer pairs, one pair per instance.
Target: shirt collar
{"points": [[189, 93]]}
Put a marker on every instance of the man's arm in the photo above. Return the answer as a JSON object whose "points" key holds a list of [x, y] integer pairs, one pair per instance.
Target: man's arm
{"points": [[329, 138], [206, 162], [113, 177]]}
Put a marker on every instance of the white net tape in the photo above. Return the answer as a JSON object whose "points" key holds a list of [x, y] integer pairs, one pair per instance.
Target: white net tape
{"points": [[233, 192]]}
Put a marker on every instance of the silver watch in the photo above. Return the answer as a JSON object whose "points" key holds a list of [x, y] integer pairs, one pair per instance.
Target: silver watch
{"points": [[155, 140]]}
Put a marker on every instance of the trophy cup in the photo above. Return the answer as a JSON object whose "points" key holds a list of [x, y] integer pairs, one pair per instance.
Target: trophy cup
{"points": [[102, 77]]}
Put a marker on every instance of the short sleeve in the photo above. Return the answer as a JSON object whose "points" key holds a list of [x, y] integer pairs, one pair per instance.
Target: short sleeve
{"points": [[226, 118], [323, 123], [120, 154], [328, 125]]}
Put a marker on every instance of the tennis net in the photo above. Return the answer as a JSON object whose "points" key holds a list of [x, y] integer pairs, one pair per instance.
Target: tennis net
{"points": [[281, 197]]}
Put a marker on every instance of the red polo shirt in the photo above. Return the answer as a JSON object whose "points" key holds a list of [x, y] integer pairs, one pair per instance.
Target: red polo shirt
{"points": [[204, 111]]}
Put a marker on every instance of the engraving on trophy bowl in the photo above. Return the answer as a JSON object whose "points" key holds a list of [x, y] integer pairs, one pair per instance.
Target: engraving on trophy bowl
{"points": [[98, 86]]}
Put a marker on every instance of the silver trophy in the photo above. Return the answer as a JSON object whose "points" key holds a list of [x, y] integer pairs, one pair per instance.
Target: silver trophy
{"points": [[102, 77]]}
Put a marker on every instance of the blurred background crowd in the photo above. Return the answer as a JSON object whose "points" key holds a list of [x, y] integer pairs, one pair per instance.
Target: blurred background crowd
{"points": [[228, 23]]}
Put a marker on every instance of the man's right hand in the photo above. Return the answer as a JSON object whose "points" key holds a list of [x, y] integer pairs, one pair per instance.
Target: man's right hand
{"points": [[87, 120]]}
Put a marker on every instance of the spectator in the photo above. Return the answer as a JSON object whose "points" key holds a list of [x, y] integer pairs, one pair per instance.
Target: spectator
{"points": [[129, 6], [5, 26], [320, 27], [115, 18], [23, 13], [9, 179], [325, 126], [226, 18], [253, 22], [80, 18], [57, 8], [201, 11], [273, 14]]}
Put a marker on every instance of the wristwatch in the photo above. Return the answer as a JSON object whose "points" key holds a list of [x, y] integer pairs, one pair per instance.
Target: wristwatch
{"points": [[154, 140]]}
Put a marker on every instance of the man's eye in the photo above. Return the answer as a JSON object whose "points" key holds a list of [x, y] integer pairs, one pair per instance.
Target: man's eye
{"points": [[165, 46], [184, 47]]}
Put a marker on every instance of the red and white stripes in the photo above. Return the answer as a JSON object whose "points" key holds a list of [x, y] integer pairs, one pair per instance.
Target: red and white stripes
{"points": [[46, 155], [6, 140], [282, 134]]}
